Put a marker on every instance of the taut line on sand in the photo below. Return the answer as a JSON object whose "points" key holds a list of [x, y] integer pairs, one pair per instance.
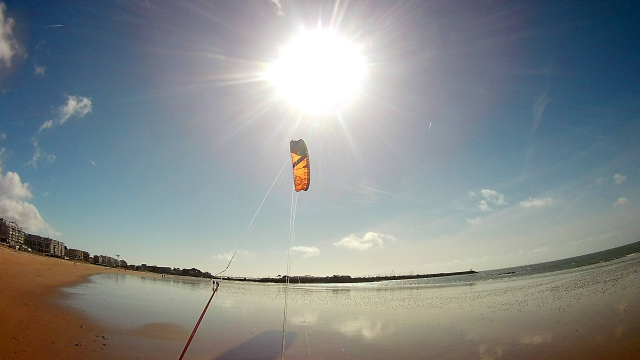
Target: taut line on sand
{"points": [[199, 321]]}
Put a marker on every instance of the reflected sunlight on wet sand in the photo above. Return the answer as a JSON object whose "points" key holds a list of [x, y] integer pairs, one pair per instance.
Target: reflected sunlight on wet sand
{"points": [[585, 313]]}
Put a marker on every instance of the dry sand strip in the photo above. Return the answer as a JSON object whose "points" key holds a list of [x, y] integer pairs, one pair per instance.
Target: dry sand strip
{"points": [[32, 324]]}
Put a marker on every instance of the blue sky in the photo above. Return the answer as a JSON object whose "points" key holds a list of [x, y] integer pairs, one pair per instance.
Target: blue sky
{"points": [[484, 135]]}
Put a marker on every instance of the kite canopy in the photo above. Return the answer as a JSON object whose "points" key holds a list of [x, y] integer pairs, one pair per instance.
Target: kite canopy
{"points": [[300, 161]]}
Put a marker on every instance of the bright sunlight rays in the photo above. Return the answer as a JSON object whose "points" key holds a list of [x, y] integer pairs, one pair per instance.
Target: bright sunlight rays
{"points": [[318, 72]]}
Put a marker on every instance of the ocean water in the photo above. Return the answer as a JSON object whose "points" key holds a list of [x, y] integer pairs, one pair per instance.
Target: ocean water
{"points": [[521, 312]]}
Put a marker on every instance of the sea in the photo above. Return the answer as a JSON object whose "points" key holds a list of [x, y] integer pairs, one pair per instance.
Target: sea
{"points": [[514, 312]]}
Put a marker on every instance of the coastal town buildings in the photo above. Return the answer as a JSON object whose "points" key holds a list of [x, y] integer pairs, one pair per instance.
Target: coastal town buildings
{"points": [[105, 260], [10, 232], [44, 245], [75, 254]]}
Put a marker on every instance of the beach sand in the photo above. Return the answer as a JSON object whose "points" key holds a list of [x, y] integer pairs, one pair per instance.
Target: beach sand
{"points": [[586, 313], [32, 324]]}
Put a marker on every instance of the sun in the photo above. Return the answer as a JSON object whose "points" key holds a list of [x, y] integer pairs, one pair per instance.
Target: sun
{"points": [[318, 72]]}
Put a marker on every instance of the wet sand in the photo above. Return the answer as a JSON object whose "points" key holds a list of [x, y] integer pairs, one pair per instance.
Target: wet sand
{"points": [[32, 324], [585, 313], [591, 312]]}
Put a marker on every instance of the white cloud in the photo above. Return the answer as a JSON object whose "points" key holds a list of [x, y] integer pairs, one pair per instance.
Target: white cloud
{"points": [[533, 202], [482, 205], [279, 7], [229, 255], [493, 196], [46, 125], [369, 241], [9, 46], [619, 179], [473, 221], [601, 181], [13, 207], [308, 251], [621, 202], [12, 188], [76, 106], [39, 70], [3, 136], [472, 194], [40, 155], [93, 163]]}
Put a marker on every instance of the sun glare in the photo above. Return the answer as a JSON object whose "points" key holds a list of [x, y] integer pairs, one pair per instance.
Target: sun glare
{"points": [[318, 72]]}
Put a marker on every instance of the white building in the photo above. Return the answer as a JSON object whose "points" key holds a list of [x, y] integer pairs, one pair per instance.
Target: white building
{"points": [[11, 233]]}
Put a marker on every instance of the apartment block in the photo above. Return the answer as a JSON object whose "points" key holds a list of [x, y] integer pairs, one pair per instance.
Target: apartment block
{"points": [[10, 232], [44, 245], [75, 254]]}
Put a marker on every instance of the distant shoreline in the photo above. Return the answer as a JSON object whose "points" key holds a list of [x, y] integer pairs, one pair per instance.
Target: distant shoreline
{"points": [[338, 279]]}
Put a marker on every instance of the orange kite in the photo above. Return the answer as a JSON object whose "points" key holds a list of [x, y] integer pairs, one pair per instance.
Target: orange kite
{"points": [[300, 161]]}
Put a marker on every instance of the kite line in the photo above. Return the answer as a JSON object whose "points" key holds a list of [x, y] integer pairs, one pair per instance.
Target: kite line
{"points": [[251, 223], [217, 284], [193, 333], [292, 235]]}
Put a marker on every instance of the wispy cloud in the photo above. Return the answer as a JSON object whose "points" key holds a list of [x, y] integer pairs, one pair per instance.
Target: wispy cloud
{"points": [[39, 70], [490, 197], [369, 241], [538, 110], [279, 7], [482, 205], [229, 255], [536, 202], [474, 221], [9, 46], [39, 155], [621, 202], [3, 136], [76, 106], [14, 207], [365, 192], [619, 179], [493, 196], [93, 163], [307, 251], [541, 249], [604, 236]]}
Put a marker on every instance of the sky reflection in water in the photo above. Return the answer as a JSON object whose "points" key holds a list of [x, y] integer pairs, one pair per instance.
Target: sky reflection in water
{"points": [[522, 317]]}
